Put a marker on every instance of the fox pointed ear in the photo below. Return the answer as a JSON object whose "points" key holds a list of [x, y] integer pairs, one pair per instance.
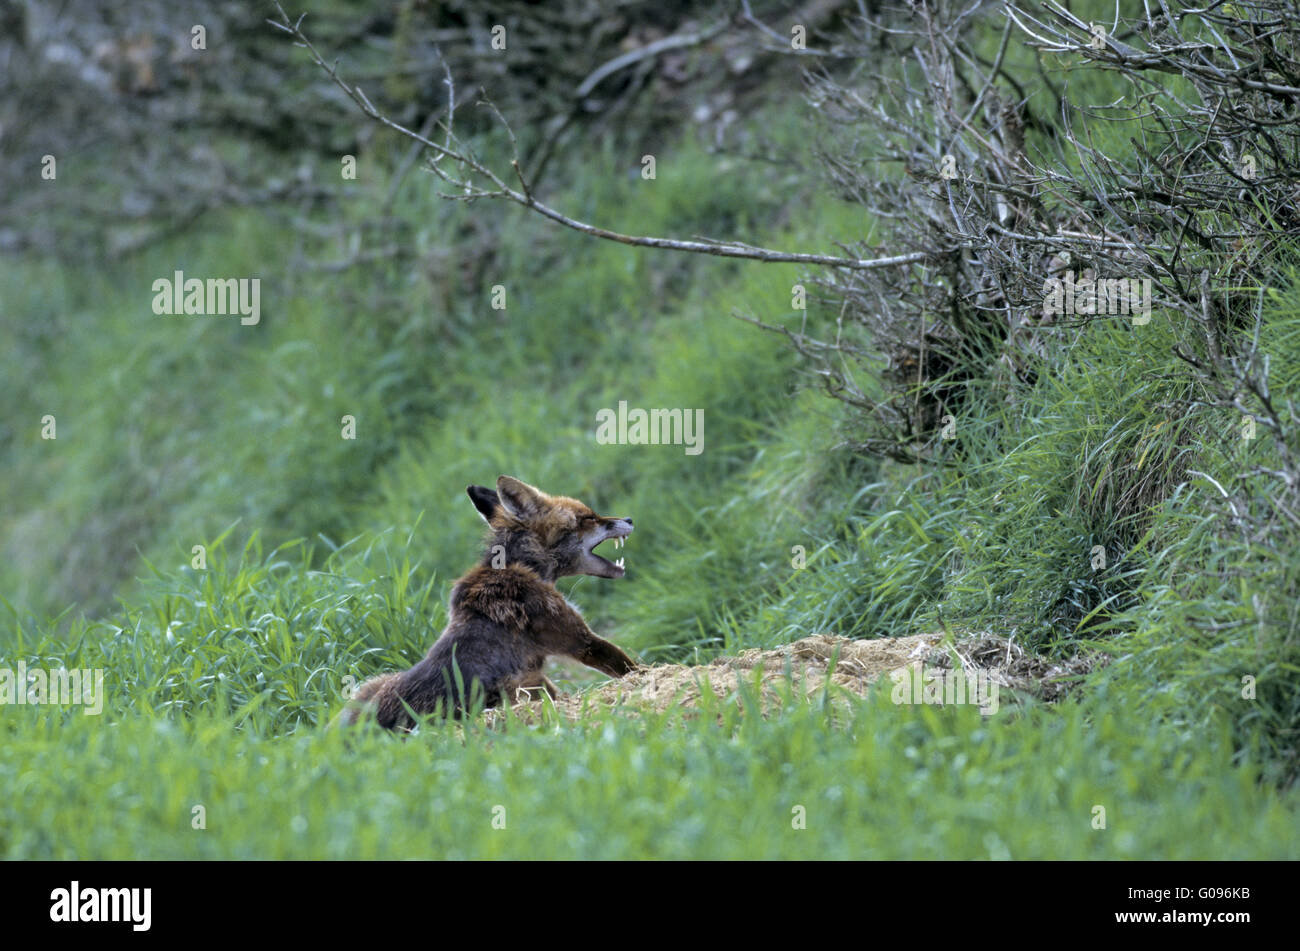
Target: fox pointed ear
{"points": [[518, 498], [484, 499]]}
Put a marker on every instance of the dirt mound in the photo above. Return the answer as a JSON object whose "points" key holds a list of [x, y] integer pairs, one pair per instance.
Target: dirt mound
{"points": [[805, 667], [1007, 664]]}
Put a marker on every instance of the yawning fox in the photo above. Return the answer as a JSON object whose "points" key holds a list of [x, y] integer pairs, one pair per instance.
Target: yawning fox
{"points": [[506, 617]]}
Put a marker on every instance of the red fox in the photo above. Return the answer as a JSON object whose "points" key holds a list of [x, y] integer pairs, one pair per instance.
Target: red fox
{"points": [[506, 616]]}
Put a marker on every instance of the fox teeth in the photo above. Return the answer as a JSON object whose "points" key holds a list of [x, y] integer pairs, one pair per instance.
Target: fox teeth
{"points": [[619, 562]]}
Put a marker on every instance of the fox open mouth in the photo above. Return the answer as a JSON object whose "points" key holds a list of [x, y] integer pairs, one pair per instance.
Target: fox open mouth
{"points": [[603, 567]]}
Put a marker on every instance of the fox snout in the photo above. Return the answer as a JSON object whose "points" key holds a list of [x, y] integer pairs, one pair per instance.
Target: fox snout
{"points": [[615, 529]]}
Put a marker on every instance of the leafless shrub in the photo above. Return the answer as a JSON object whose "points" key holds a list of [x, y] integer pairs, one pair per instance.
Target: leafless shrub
{"points": [[1189, 181]]}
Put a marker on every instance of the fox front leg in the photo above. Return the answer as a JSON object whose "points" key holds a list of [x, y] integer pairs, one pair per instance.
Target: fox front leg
{"points": [[564, 632], [603, 656]]}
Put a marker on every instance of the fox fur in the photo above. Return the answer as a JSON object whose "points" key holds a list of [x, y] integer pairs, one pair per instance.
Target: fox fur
{"points": [[506, 616]]}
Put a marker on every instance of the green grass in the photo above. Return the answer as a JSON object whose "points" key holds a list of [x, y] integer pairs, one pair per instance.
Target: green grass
{"points": [[216, 701], [886, 782]]}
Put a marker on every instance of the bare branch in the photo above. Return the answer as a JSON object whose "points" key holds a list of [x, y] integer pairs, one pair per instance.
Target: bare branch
{"points": [[455, 151]]}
